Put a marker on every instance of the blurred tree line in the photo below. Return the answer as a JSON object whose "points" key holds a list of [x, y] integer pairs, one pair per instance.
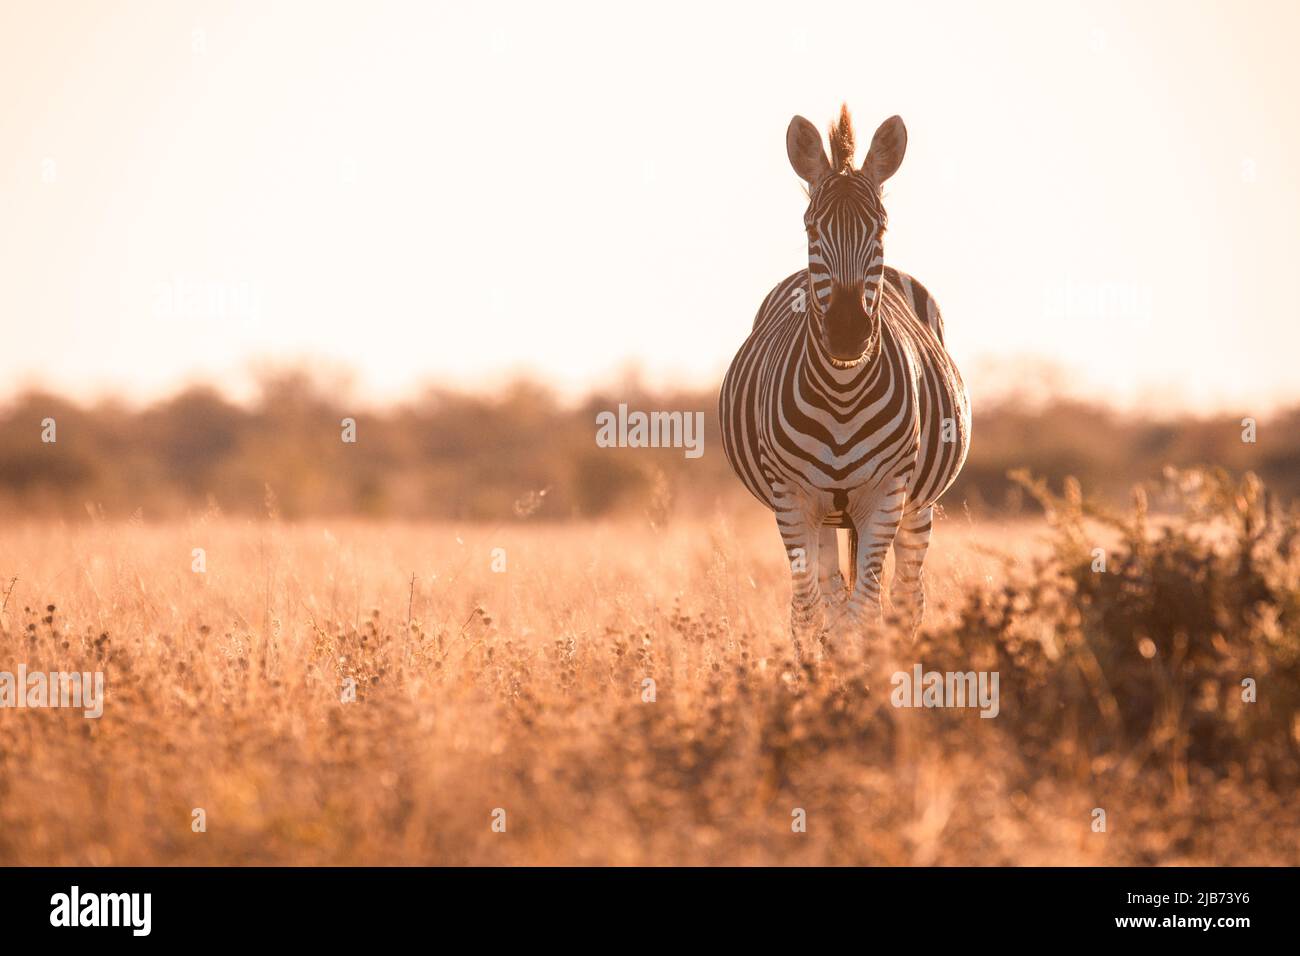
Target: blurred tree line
{"points": [[522, 452]]}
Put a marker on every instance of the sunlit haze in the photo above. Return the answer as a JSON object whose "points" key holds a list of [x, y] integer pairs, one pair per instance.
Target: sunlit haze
{"points": [[450, 194]]}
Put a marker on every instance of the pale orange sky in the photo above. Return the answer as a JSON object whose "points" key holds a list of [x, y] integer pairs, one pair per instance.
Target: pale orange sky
{"points": [[445, 193]]}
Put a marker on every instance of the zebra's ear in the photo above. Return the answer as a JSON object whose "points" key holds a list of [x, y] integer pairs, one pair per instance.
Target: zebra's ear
{"points": [[887, 149], [803, 144]]}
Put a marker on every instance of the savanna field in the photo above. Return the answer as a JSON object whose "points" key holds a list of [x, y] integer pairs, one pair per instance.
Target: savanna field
{"points": [[371, 379], [523, 689]]}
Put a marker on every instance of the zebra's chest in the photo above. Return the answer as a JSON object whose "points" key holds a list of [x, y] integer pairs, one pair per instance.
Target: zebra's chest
{"points": [[791, 422], [840, 443], [826, 443]]}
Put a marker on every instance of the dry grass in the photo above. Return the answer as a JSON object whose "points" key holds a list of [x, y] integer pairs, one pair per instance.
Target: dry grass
{"points": [[224, 693]]}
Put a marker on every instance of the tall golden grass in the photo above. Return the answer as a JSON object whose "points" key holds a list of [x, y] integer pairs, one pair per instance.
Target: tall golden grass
{"points": [[524, 690]]}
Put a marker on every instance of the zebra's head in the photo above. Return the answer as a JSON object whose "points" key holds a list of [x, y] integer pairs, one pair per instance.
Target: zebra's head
{"points": [[846, 226]]}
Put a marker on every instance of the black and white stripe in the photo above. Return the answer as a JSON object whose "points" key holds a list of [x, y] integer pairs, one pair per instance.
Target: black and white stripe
{"points": [[843, 407]]}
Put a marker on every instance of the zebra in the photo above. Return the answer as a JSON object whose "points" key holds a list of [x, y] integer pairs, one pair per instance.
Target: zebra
{"points": [[843, 408]]}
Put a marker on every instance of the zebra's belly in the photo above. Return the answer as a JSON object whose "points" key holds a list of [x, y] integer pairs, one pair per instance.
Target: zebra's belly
{"points": [[738, 417]]}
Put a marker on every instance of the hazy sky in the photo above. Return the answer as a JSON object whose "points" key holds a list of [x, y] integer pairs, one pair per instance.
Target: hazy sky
{"points": [[447, 192]]}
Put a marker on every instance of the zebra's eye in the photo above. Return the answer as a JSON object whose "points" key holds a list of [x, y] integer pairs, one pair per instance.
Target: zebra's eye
{"points": [[811, 229]]}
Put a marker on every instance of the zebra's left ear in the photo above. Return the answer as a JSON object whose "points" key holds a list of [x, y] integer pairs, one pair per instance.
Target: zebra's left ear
{"points": [[887, 149]]}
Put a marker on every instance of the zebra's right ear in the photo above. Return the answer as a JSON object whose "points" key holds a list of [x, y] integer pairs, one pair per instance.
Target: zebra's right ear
{"points": [[803, 144]]}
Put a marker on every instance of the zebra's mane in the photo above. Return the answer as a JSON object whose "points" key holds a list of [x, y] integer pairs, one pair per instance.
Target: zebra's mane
{"points": [[842, 143]]}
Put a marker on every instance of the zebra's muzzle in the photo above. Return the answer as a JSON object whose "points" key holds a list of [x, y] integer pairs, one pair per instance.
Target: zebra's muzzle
{"points": [[846, 328]]}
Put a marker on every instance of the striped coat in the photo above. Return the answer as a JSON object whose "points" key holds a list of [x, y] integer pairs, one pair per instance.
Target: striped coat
{"points": [[843, 408]]}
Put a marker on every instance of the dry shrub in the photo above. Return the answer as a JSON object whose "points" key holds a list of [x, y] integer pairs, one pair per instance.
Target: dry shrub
{"points": [[1145, 661], [1135, 680]]}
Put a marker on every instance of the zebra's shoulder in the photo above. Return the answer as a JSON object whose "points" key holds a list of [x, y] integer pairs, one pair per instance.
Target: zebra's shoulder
{"points": [[918, 297], [788, 296]]}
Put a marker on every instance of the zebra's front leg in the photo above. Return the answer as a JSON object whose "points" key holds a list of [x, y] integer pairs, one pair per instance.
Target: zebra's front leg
{"points": [[877, 523], [907, 593], [830, 580], [800, 535]]}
